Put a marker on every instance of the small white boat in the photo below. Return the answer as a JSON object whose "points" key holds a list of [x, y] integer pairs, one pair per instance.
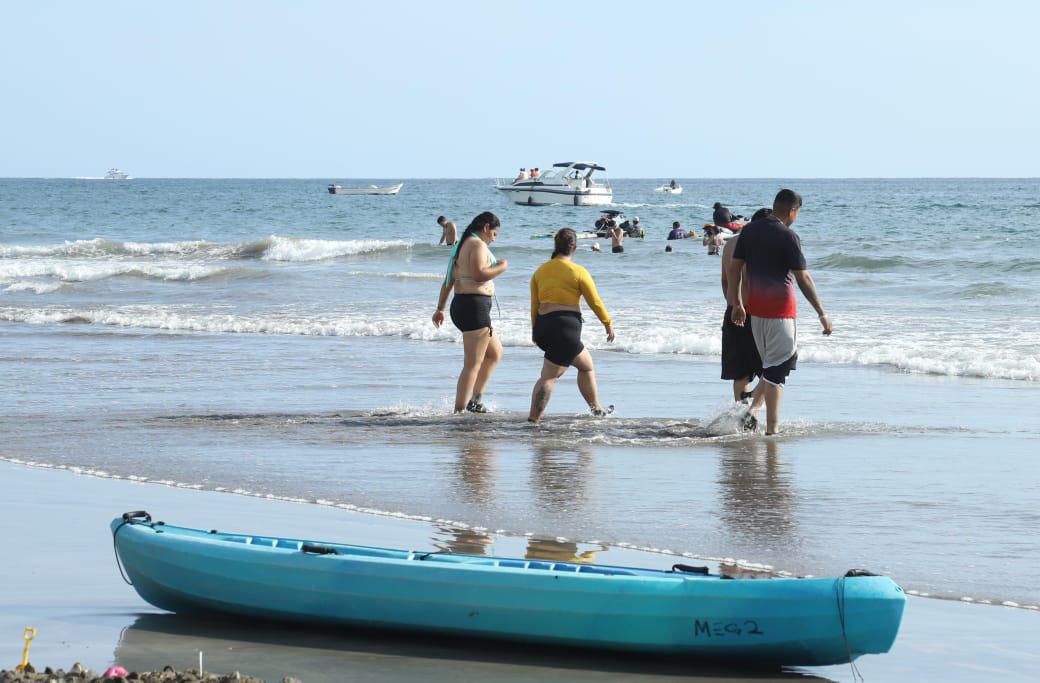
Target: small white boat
{"points": [[117, 174], [671, 188], [336, 188], [568, 182]]}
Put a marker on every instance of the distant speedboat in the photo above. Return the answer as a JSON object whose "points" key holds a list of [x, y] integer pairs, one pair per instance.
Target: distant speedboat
{"points": [[336, 188], [569, 182], [671, 188], [117, 174]]}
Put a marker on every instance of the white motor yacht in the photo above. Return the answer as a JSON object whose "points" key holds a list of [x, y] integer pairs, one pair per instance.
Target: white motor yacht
{"points": [[568, 182], [336, 188], [117, 174]]}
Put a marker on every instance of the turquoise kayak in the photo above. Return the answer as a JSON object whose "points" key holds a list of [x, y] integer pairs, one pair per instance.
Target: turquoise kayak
{"points": [[684, 611]]}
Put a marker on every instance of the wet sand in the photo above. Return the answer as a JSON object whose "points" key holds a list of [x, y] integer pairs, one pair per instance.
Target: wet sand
{"points": [[60, 577]]}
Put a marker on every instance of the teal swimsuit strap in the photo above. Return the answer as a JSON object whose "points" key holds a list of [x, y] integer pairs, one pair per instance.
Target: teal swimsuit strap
{"points": [[448, 279]]}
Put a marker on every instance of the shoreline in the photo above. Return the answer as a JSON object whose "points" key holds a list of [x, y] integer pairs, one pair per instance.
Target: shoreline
{"points": [[98, 620]]}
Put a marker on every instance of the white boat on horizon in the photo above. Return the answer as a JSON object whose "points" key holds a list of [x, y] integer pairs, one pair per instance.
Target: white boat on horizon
{"points": [[568, 182], [117, 174], [336, 188], [670, 188]]}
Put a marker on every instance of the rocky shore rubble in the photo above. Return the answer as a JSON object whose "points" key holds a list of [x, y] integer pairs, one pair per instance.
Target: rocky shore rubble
{"points": [[77, 674]]}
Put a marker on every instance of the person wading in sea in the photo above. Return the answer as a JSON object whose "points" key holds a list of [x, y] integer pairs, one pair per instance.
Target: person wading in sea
{"points": [[773, 255], [740, 360], [556, 288], [471, 270], [449, 233]]}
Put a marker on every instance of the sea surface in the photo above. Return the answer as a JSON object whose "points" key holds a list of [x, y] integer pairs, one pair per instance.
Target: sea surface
{"points": [[267, 338]]}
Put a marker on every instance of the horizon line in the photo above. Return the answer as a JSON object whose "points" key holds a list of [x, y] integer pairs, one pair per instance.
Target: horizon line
{"points": [[694, 178]]}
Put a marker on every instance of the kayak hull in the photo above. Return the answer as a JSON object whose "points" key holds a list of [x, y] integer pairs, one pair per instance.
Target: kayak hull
{"points": [[774, 621]]}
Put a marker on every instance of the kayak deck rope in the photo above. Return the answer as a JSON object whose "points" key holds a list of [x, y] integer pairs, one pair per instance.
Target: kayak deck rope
{"points": [[839, 592], [128, 518]]}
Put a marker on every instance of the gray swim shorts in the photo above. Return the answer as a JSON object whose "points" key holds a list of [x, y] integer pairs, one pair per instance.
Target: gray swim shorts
{"points": [[777, 343]]}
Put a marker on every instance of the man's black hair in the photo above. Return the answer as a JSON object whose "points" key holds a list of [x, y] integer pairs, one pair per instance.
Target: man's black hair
{"points": [[787, 200], [761, 213], [440, 218], [675, 224]]}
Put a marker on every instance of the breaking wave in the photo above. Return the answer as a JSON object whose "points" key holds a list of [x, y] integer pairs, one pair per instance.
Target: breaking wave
{"points": [[936, 356], [272, 248]]}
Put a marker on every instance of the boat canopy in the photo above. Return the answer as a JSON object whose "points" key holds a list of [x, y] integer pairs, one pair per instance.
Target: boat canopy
{"points": [[580, 165]]}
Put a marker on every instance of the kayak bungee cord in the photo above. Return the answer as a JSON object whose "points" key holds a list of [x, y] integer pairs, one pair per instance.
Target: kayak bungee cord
{"points": [[128, 518]]}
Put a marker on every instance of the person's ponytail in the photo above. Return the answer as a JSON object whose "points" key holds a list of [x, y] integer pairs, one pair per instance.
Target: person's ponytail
{"points": [[565, 242]]}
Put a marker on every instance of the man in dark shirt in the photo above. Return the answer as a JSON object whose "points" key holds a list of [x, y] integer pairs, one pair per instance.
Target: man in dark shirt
{"points": [[772, 253], [677, 232], [722, 216]]}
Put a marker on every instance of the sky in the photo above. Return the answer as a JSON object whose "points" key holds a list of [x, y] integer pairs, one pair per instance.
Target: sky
{"points": [[343, 89]]}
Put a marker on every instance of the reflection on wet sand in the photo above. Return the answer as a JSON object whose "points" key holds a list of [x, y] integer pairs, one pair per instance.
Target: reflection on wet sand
{"points": [[314, 654], [462, 541], [758, 503], [465, 541], [560, 476], [474, 471], [561, 551]]}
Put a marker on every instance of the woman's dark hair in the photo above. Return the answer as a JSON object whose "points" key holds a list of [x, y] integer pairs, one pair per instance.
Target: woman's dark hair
{"points": [[477, 224], [566, 240]]}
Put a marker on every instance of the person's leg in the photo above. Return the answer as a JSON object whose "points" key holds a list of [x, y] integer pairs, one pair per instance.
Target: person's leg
{"points": [[492, 355], [740, 387], [474, 345], [543, 389], [774, 394], [587, 379]]}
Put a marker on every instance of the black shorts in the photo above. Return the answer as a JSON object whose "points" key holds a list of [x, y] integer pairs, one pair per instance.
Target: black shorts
{"points": [[777, 374], [617, 250], [471, 311], [740, 357], [559, 335]]}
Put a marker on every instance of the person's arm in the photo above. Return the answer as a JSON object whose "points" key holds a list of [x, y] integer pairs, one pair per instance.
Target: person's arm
{"points": [[442, 301], [534, 299], [733, 294], [444, 235], [808, 287], [727, 256], [588, 290], [478, 264]]}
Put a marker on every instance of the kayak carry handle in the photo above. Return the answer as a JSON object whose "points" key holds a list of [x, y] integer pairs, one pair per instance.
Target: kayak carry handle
{"points": [[130, 517], [689, 569], [318, 549]]}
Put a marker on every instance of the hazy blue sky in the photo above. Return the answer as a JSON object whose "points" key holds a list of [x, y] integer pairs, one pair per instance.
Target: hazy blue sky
{"points": [[476, 89]]}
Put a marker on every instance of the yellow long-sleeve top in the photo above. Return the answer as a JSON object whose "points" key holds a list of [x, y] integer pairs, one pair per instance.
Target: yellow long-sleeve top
{"points": [[561, 281]]}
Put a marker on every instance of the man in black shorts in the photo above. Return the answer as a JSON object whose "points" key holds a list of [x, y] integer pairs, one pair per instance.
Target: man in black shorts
{"points": [[769, 254], [740, 360]]}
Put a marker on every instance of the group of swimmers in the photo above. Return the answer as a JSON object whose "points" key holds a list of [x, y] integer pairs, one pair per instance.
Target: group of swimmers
{"points": [[760, 267]]}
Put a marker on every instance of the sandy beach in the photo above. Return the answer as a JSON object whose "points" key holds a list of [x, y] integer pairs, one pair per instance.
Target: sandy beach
{"points": [[62, 579]]}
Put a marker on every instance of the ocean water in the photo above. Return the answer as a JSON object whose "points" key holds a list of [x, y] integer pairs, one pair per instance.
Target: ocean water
{"points": [[265, 337]]}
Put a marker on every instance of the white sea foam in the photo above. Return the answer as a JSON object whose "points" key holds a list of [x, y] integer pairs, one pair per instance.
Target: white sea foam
{"points": [[272, 248], [35, 287], [929, 352], [403, 275], [298, 249], [87, 271]]}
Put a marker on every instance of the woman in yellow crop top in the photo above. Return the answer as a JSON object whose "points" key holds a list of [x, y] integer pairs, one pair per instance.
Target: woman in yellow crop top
{"points": [[556, 324]]}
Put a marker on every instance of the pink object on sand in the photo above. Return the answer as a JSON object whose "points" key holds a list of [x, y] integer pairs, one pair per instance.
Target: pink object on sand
{"points": [[114, 671]]}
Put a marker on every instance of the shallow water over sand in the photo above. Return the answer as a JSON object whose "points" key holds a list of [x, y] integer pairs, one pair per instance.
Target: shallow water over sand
{"points": [[264, 337]]}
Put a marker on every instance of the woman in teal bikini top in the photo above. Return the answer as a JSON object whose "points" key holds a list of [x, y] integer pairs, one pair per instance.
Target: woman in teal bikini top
{"points": [[471, 269]]}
